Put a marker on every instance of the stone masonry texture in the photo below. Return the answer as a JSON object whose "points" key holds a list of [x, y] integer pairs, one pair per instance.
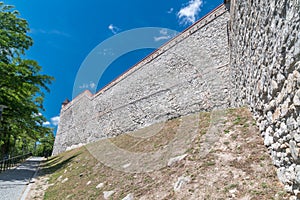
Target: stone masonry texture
{"points": [[248, 57], [188, 74], [265, 65]]}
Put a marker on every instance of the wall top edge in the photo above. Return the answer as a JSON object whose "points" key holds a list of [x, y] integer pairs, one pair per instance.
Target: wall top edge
{"points": [[183, 35]]}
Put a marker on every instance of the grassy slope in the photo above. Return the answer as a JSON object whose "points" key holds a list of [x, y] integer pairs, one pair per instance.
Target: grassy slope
{"points": [[236, 165]]}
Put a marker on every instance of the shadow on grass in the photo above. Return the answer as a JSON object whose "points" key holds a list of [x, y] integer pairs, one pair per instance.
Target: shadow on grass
{"points": [[49, 159], [55, 163]]}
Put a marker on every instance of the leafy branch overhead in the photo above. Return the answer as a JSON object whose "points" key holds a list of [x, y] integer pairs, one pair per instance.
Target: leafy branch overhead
{"points": [[22, 85]]}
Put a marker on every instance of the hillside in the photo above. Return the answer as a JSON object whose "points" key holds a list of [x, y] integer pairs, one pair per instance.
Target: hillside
{"points": [[217, 155]]}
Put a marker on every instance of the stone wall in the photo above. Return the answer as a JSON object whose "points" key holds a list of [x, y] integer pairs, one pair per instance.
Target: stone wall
{"points": [[201, 69], [265, 55], [188, 74]]}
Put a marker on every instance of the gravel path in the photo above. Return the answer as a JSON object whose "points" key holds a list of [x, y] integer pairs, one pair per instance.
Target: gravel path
{"points": [[13, 182]]}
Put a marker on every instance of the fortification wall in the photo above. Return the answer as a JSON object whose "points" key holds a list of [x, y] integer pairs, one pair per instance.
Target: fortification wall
{"points": [[188, 74], [265, 55]]}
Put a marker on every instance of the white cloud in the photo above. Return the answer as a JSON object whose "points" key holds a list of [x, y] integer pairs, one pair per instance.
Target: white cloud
{"points": [[37, 31], [163, 31], [90, 85], [187, 15], [49, 32], [113, 29], [47, 123], [170, 11], [55, 120], [163, 35], [57, 32], [166, 37]]}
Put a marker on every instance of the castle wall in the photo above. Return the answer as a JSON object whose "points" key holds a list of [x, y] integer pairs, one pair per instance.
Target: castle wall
{"points": [[195, 72], [265, 55], [188, 74]]}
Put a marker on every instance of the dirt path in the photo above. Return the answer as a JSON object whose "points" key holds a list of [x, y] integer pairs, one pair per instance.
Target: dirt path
{"points": [[14, 182]]}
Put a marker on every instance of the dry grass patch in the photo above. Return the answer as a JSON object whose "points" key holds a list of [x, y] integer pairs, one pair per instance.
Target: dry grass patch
{"points": [[237, 165]]}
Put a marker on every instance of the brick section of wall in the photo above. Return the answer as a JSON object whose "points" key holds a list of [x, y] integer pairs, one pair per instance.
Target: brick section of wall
{"points": [[265, 54], [188, 74]]}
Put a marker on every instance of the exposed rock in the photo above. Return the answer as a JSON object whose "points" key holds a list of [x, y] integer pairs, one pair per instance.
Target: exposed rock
{"points": [[126, 165], [65, 180], [268, 137], [296, 99], [292, 197], [128, 197], [100, 185], [181, 182], [297, 170], [291, 123], [283, 129], [107, 194], [294, 150], [233, 192], [276, 114], [175, 160], [297, 137], [281, 174], [275, 146], [274, 86], [59, 178], [285, 107], [280, 77], [89, 182]]}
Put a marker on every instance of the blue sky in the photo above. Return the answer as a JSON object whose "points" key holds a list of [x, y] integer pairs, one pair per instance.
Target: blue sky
{"points": [[65, 32]]}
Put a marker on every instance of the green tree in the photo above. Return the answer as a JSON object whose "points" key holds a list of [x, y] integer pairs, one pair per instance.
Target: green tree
{"points": [[22, 86], [45, 146]]}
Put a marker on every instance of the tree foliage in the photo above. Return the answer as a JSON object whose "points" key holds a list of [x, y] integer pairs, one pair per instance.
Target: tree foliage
{"points": [[22, 86], [45, 146]]}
